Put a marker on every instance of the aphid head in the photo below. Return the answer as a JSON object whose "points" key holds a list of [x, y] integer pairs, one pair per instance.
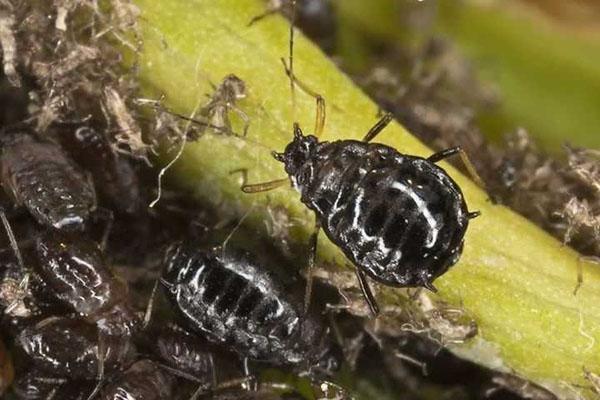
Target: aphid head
{"points": [[233, 88], [297, 152], [180, 263]]}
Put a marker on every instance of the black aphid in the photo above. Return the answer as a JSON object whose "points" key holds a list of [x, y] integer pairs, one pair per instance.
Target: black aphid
{"points": [[38, 175], [142, 381], [184, 353], [400, 219], [227, 296], [77, 274], [70, 348]]}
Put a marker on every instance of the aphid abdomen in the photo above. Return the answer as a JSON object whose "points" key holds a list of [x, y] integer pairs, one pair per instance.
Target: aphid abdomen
{"points": [[78, 275], [76, 272], [143, 380], [400, 218], [232, 301], [40, 177], [68, 347], [182, 351]]}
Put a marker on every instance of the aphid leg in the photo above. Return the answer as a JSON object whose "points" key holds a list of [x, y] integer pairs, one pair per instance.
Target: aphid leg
{"points": [[250, 378], [580, 261], [52, 393], [205, 389], [378, 127], [441, 155], [24, 284], [12, 239], [213, 370], [429, 286], [109, 218], [258, 187], [102, 352], [366, 291], [272, 8], [321, 107], [473, 214], [312, 255], [150, 306]]}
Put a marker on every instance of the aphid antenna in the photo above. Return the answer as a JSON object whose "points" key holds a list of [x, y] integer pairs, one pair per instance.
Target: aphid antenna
{"points": [[321, 107]]}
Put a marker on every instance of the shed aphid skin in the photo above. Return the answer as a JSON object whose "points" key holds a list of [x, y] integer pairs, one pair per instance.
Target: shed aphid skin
{"points": [[222, 102], [400, 219], [225, 295]]}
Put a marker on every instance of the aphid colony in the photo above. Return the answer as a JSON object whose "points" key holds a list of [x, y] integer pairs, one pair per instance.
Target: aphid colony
{"points": [[78, 330]]}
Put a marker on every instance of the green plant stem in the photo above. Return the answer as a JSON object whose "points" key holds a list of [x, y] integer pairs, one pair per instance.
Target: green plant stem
{"points": [[547, 75], [513, 278]]}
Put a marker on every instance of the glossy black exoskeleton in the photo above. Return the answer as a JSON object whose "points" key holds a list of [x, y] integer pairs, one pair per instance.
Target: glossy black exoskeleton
{"points": [[38, 175], [400, 219], [115, 178], [183, 352], [78, 275], [34, 385], [142, 381], [71, 348], [321, 390], [6, 368], [227, 296]]}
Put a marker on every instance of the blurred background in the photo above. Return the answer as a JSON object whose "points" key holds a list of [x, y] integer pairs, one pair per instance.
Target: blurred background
{"points": [[533, 64]]}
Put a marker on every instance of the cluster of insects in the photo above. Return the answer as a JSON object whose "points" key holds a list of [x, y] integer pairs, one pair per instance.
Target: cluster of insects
{"points": [[77, 329]]}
